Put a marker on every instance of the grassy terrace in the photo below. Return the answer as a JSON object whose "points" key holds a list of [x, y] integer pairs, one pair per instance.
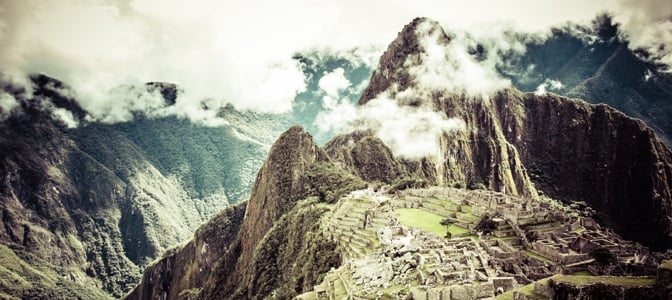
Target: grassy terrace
{"points": [[617, 281], [583, 273], [413, 217], [539, 257], [579, 281], [527, 290], [430, 222]]}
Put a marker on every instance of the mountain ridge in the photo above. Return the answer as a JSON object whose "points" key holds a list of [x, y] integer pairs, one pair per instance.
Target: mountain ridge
{"points": [[109, 197]]}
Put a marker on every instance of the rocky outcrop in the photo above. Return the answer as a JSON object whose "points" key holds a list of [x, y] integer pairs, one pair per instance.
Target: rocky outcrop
{"points": [[277, 188], [593, 153], [364, 155], [518, 143]]}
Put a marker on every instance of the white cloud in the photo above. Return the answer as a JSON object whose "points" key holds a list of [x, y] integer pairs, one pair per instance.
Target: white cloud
{"points": [[648, 25], [65, 116], [7, 103], [338, 118], [550, 84], [449, 67], [334, 82], [230, 51], [411, 132]]}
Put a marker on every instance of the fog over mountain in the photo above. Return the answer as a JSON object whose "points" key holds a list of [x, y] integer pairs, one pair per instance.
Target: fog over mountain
{"points": [[134, 132]]}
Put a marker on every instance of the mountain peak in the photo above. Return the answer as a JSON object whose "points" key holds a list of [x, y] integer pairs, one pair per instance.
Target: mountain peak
{"points": [[391, 68]]}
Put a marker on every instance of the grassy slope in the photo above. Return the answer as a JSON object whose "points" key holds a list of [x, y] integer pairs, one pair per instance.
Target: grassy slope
{"points": [[24, 276], [427, 221]]}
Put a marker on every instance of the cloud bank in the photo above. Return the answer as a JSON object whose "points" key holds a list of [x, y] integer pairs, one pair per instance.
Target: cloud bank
{"points": [[648, 25], [226, 51]]}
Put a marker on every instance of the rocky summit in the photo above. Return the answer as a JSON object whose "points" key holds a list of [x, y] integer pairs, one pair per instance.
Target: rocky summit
{"points": [[536, 197]]}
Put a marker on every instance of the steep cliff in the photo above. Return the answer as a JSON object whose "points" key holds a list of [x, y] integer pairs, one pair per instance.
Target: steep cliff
{"points": [[517, 142], [98, 202], [183, 270]]}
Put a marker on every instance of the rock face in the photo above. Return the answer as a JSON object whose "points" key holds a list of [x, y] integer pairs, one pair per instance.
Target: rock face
{"points": [[578, 151], [366, 156], [568, 149], [277, 187], [98, 202]]}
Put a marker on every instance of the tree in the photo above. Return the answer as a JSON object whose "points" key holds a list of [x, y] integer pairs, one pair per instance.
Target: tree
{"points": [[486, 225], [447, 223]]}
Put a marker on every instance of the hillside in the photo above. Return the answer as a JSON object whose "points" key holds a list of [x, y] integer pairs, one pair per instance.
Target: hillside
{"points": [[96, 203]]}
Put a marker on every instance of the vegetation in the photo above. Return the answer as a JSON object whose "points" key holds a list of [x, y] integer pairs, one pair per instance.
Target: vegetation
{"points": [[539, 257], [330, 183], [608, 280], [602, 256], [413, 217], [666, 264], [486, 225], [447, 223], [293, 254], [583, 273], [406, 182], [457, 230], [25, 276]]}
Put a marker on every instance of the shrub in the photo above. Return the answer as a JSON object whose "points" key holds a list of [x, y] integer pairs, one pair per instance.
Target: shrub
{"points": [[330, 183], [407, 183], [486, 225]]}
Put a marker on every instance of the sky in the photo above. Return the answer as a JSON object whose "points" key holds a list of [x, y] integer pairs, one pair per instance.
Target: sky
{"points": [[241, 52]]}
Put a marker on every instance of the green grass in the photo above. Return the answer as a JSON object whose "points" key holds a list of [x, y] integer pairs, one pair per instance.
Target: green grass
{"points": [[579, 230], [539, 257], [527, 290], [583, 273], [666, 264], [579, 281], [617, 281], [458, 230], [413, 217]]}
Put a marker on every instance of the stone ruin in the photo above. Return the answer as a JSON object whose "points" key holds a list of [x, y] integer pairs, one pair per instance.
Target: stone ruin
{"points": [[533, 240]]}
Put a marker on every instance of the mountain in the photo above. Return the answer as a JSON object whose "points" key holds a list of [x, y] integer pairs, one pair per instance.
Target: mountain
{"points": [[594, 63], [568, 149], [278, 248], [302, 234], [96, 203]]}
